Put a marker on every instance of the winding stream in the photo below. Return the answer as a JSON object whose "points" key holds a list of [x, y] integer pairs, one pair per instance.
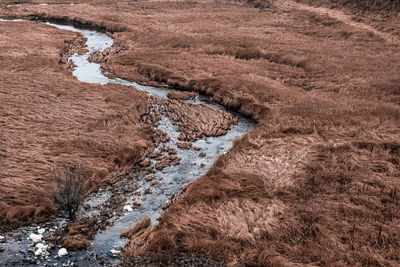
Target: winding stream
{"points": [[193, 165]]}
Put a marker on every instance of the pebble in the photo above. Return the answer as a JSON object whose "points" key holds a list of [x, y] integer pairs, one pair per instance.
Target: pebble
{"points": [[62, 252], [128, 208], [2, 239], [1, 249], [35, 238], [113, 251]]}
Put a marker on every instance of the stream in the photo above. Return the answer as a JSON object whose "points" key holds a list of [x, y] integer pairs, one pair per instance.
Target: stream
{"points": [[152, 193]]}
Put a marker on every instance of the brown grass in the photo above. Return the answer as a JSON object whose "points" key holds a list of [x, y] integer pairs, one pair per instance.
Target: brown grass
{"points": [[143, 224], [317, 182]]}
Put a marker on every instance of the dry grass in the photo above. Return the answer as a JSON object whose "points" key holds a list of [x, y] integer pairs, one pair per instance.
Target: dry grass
{"points": [[317, 181], [143, 224]]}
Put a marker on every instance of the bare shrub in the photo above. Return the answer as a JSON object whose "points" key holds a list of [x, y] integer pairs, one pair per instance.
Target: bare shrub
{"points": [[68, 188]]}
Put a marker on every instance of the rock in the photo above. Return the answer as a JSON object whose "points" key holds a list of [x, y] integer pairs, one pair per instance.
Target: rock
{"points": [[202, 155], [62, 252], [114, 251], [2, 239], [41, 249], [41, 231], [128, 208], [1, 249], [35, 238]]}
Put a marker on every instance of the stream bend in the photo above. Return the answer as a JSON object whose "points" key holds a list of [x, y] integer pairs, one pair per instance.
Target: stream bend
{"points": [[193, 164]]}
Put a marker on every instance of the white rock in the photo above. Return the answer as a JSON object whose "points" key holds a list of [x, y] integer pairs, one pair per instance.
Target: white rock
{"points": [[38, 252], [2, 238], [41, 249], [41, 246], [128, 208], [113, 251], [35, 238], [62, 252], [41, 230]]}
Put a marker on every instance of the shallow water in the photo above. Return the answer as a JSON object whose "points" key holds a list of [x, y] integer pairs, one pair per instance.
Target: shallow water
{"points": [[192, 166]]}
